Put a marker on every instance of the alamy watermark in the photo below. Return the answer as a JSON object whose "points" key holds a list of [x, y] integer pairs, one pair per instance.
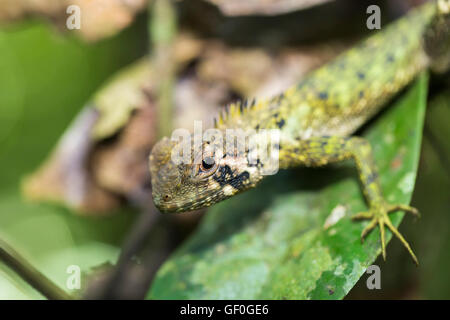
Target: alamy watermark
{"points": [[74, 19], [250, 145], [374, 280], [374, 20], [73, 281]]}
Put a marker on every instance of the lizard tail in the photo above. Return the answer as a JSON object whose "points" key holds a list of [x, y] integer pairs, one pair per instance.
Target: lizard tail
{"points": [[437, 38]]}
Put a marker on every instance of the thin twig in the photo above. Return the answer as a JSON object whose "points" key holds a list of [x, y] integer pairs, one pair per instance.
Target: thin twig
{"points": [[133, 244], [162, 29], [30, 274]]}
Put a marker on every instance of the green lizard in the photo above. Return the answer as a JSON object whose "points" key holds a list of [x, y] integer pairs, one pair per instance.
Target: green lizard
{"points": [[315, 119]]}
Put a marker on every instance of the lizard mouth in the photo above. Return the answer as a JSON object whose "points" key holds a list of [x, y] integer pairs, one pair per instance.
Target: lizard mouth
{"points": [[165, 205], [162, 204], [164, 174]]}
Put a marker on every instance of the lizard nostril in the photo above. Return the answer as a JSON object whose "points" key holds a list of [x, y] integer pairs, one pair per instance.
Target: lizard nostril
{"points": [[166, 197]]}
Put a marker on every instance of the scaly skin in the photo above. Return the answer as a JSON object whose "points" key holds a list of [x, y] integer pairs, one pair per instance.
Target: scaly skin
{"points": [[316, 119]]}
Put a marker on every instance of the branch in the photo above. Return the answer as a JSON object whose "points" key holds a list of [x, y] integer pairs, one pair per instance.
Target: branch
{"points": [[30, 274], [162, 29]]}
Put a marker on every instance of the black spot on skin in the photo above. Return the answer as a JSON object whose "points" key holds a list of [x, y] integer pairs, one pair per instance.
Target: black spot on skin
{"points": [[257, 127], [361, 75], [276, 115], [257, 164], [226, 176], [361, 94], [281, 123], [342, 64], [323, 95], [371, 178], [238, 181], [390, 58], [253, 164]]}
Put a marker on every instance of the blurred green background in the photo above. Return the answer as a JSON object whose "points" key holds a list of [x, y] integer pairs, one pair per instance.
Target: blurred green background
{"points": [[45, 79]]}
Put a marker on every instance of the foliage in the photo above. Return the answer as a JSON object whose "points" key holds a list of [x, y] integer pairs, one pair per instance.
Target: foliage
{"points": [[45, 78]]}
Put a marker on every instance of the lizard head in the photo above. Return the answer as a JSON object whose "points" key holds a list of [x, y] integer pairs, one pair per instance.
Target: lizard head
{"points": [[209, 176]]}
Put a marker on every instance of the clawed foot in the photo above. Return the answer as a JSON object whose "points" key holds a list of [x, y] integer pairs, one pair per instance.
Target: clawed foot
{"points": [[378, 214]]}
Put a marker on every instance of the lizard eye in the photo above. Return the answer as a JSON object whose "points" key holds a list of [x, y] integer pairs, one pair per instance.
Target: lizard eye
{"points": [[206, 168], [207, 164]]}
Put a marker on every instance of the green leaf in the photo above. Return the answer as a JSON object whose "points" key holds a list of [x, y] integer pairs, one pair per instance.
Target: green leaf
{"points": [[271, 243], [45, 78]]}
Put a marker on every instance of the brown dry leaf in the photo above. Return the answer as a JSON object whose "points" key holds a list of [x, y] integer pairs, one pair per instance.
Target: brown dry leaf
{"points": [[16, 9], [103, 18], [239, 68], [122, 166], [63, 177], [99, 18], [259, 72]]}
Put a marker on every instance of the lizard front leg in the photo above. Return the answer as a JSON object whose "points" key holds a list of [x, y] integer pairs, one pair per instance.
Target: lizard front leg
{"points": [[320, 151]]}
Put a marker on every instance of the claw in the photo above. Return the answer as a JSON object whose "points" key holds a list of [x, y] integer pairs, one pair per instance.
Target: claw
{"points": [[362, 215], [402, 240], [405, 208], [383, 239], [379, 215], [368, 228]]}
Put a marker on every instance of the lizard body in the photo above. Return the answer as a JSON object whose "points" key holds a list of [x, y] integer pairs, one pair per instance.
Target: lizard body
{"points": [[315, 119]]}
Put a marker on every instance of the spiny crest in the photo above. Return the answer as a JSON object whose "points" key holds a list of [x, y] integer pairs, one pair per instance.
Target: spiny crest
{"points": [[234, 110]]}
